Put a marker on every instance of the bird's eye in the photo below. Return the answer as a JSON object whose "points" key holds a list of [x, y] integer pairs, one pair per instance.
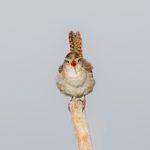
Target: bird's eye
{"points": [[66, 61], [79, 59]]}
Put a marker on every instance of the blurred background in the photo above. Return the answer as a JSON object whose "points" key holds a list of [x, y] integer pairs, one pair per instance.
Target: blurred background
{"points": [[33, 43]]}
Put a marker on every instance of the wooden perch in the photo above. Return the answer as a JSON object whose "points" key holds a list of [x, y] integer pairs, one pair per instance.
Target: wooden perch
{"points": [[80, 125]]}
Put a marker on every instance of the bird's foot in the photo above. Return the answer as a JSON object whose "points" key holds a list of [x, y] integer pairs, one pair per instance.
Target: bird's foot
{"points": [[69, 104], [81, 100], [83, 104]]}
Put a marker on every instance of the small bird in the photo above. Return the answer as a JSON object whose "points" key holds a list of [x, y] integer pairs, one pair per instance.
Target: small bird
{"points": [[75, 76]]}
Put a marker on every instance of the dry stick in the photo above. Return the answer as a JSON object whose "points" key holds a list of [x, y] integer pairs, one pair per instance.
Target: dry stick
{"points": [[80, 125]]}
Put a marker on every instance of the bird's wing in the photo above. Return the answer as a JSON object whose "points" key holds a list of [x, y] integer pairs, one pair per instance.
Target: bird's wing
{"points": [[60, 69], [87, 65]]}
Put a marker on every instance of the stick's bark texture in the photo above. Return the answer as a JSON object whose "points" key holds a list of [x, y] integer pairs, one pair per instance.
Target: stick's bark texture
{"points": [[80, 125]]}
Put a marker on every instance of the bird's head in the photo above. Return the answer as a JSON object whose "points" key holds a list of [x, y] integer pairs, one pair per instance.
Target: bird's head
{"points": [[73, 61]]}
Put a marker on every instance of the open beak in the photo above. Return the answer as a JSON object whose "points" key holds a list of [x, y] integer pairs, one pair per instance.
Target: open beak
{"points": [[73, 63]]}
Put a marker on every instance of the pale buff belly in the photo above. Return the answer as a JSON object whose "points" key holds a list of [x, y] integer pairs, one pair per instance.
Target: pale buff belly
{"points": [[76, 85]]}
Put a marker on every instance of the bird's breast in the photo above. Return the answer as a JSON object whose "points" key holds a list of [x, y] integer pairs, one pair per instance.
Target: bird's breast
{"points": [[75, 78]]}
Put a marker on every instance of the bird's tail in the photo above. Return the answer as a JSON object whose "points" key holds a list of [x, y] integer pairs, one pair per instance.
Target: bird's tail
{"points": [[75, 41]]}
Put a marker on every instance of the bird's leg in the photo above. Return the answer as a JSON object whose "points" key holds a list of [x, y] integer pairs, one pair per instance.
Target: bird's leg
{"points": [[83, 103], [82, 100], [69, 103]]}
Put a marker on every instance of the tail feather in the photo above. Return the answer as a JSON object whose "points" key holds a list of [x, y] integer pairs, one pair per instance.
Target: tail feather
{"points": [[71, 40], [75, 41]]}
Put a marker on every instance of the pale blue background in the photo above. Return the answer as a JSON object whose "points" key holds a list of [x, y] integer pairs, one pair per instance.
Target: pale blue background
{"points": [[33, 43]]}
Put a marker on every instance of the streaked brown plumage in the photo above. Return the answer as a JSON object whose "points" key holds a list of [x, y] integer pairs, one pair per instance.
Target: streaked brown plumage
{"points": [[75, 41], [75, 77]]}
